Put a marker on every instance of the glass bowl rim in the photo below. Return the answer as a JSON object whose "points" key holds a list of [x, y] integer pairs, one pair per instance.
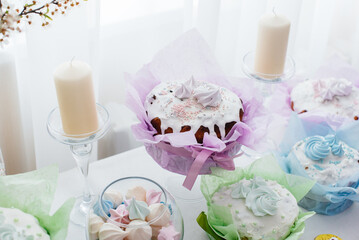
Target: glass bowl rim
{"points": [[164, 191]]}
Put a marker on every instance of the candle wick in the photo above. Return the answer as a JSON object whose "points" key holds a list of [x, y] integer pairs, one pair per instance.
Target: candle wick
{"points": [[274, 7], [273, 10], [72, 60]]}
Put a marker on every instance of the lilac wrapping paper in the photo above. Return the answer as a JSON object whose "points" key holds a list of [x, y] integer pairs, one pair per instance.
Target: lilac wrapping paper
{"points": [[188, 56], [335, 67], [328, 200]]}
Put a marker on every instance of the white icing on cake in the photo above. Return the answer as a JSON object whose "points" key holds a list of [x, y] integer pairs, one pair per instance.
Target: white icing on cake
{"points": [[332, 95], [254, 227], [332, 168], [15, 224], [217, 105]]}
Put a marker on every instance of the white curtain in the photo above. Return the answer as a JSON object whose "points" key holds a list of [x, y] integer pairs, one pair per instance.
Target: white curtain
{"points": [[117, 36], [37, 53]]}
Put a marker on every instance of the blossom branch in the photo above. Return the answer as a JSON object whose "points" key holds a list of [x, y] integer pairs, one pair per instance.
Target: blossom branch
{"points": [[12, 19]]}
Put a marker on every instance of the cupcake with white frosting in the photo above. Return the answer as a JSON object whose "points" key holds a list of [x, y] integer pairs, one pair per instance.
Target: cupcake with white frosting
{"points": [[326, 159], [15, 224], [261, 209], [25, 206], [255, 203], [331, 163], [330, 157]]}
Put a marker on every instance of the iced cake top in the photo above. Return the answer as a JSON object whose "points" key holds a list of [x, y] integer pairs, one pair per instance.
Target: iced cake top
{"points": [[193, 103], [326, 159], [261, 209], [335, 96]]}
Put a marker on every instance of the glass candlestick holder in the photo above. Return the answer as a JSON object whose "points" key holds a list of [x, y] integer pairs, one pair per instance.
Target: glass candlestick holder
{"points": [[81, 148], [2, 165], [266, 82]]}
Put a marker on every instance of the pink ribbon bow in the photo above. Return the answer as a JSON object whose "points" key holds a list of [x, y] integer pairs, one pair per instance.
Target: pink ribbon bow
{"points": [[201, 156]]}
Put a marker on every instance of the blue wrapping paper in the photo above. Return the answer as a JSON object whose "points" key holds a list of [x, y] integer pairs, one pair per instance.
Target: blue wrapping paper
{"points": [[323, 199]]}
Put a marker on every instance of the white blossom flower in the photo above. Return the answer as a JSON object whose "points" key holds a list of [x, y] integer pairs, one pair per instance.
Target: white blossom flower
{"points": [[14, 17]]}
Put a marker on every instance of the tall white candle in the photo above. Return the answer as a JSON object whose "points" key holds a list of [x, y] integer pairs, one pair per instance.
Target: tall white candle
{"points": [[272, 42], [12, 142], [75, 94]]}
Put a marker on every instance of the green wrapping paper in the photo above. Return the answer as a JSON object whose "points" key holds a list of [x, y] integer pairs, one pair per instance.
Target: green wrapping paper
{"points": [[218, 223], [33, 193]]}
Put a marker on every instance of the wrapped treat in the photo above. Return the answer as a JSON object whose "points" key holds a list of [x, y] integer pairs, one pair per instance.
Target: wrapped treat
{"points": [[258, 202], [15, 224], [191, 117], [26, 215], [332, 92], [314, 150]]}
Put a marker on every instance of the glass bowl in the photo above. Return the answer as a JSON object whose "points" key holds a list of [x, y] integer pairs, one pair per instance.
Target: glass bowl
{"points": [[115, 214]]}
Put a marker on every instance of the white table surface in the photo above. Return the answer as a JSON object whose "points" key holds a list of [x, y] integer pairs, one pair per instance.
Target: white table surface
{"points": [[137, 162]]}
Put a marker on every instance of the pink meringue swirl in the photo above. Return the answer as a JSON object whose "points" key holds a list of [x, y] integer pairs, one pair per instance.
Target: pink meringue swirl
{"points": [[153, 196], [120, 214], [208, 96], [186, 89], [169, 233], [337, 87], [183, 91]]}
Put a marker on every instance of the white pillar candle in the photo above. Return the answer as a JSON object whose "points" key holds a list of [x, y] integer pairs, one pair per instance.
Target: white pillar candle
{"points": [[12, 142], [75, 94], [272, 42]]}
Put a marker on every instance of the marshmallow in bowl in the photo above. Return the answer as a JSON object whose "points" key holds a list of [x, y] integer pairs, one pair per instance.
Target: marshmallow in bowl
{"points": [[138, 210], [114, 196], [138, 192], [95, 224], [110, 231], [152, 196], [120, 214], [132, 218], [169, 233], [139, 233], [155, 212]]}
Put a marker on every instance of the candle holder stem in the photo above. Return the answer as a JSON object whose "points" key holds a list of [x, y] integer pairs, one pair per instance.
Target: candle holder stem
{"points": [[82, 154], [81, 148]]}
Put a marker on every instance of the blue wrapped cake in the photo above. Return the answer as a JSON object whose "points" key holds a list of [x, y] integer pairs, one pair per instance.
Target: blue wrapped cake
{"points": [[330, 157]]}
